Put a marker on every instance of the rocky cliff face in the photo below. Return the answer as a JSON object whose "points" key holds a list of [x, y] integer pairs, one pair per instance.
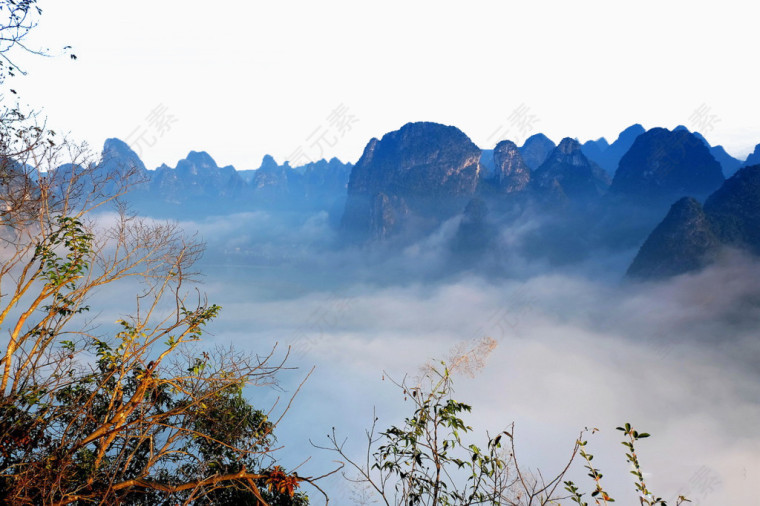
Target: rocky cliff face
{"points": [[510, 171], [536, 149], [425, 170], [663, 166], [568, 172], [385, 215]]}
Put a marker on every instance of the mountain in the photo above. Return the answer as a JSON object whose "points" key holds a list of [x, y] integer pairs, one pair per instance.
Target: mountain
{"points": [[121, 168], [325, 185], [690, 235], [729, 164], [273, 185], [316, 185], [594, 149], [325, 179], [268, 172], [734, 210], [423, 172], [119, 173], [753, 158], [487, 165], [662, 166], [567, 170], [411, 181], [19, 191], [197, 179], [118, 156], [682, 242], [609, 158], [198, 186], [536, 149], [510, 171]]}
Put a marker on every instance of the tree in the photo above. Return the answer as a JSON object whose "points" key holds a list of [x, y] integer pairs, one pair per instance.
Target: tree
{"points": [[126, 414], [17, 19], [428, 460], [132, 412], [599, 496]]}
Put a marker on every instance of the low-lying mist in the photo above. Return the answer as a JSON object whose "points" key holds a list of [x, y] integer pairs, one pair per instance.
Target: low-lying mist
{"points": [[578, 346]]}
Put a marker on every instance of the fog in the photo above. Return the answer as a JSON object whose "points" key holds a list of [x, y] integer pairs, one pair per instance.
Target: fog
{"points": [[578, 346]]}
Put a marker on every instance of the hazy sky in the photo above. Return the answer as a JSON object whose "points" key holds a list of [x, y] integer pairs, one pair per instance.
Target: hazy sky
{"points": [[305, 79]]}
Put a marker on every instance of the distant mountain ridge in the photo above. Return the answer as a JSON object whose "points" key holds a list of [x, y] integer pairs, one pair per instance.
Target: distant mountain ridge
{"points": [[577, 198], [608, 156], [659, 167], [197, 185]]}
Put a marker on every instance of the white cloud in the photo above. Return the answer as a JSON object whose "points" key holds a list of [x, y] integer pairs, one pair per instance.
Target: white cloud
{"points": [[573, 352]]}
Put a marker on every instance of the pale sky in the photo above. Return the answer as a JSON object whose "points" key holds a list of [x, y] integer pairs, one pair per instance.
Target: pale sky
{"points": [[305, 79]]}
